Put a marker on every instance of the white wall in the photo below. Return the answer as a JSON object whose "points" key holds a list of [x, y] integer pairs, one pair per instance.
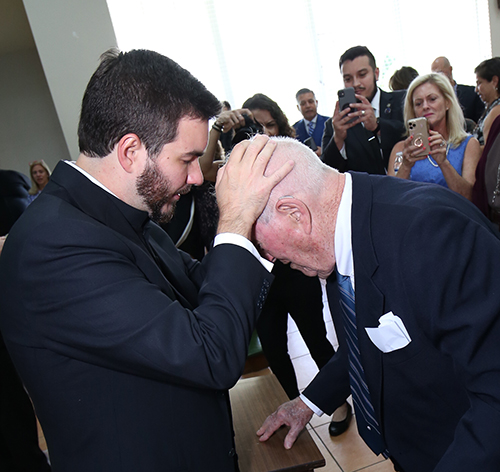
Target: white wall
{"points": [[70, 36], [495, 27], [29, 127]]}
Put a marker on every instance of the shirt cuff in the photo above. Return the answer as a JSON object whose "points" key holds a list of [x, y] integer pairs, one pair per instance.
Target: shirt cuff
{"points": [[312, 406], [239, 240]]}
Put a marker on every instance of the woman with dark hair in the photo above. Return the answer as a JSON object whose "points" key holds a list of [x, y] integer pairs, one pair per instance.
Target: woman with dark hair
{"points": [[269, 115], [402, 78], [487, 83]]}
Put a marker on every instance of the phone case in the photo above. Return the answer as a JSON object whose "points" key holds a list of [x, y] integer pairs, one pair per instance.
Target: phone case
{"points": [[419, 129], [346, 96]]}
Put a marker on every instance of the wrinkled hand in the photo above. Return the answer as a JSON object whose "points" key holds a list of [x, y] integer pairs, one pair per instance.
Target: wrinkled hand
{"points": [[233, 119], [365, 113], [437, 147], [242, 188], [295, 414]]}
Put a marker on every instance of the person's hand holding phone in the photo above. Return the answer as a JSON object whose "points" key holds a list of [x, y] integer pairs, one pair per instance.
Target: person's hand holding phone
{"points": [[437, 146], [341, 122], [365, 113]]}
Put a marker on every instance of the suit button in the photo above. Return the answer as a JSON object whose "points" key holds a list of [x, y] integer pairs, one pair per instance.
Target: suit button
{"points": [[232, 452]]}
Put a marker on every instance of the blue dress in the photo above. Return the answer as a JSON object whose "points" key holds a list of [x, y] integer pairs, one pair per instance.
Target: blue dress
{"points": [[424, 171]]}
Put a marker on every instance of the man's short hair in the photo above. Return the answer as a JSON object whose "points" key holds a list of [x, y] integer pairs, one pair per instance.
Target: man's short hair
{"points": [[140, 92], [355, 52], [302, 91]]}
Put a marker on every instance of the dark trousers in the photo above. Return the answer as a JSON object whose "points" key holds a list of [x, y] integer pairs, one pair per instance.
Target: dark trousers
{"points": [[301, 296]]}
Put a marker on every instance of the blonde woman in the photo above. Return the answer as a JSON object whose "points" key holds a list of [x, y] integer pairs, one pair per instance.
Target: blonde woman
{"points": [[452, 154], [40, 175]]}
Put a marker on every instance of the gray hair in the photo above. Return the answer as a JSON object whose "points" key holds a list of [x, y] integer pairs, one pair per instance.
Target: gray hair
{"points": [[306, 178]]}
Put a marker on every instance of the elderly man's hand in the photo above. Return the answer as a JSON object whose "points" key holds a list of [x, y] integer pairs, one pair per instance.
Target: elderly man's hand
{"points": [[295, 414], [242, 188]]}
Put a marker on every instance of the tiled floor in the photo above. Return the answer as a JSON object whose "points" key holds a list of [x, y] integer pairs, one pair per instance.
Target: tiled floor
{"points": [[345, 453]]}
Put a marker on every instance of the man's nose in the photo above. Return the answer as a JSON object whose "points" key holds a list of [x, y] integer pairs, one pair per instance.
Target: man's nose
{"points": [[195, 176]]}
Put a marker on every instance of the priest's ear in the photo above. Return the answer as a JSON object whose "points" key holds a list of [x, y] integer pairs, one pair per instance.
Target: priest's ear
{"points": [[296, 212], [131, 153]]}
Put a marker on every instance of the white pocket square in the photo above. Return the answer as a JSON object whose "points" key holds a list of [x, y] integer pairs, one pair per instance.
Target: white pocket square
{"points": [[391, 333]]}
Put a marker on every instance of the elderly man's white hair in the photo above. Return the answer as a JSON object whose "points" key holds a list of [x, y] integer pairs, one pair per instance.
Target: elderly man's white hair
{"points": [[305, 181]]}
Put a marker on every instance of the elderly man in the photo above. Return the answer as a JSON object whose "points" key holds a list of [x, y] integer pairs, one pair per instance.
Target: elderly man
{"points": [[126, 345], [470, 102], [312, 125], [362, 136], [412, 290]]}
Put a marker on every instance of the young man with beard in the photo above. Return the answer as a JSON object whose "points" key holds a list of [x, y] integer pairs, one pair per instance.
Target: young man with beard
{"points": [[362, 136], [127, 346]]}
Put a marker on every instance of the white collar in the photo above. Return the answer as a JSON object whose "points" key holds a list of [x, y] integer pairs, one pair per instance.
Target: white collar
{"points": [[313, 120], [92, 179], [343, 240], [376, 103]]}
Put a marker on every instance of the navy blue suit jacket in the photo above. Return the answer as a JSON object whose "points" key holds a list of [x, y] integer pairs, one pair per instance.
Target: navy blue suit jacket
{"points": [[364, 152], [430, 257], [127, 352], [302, 134]]}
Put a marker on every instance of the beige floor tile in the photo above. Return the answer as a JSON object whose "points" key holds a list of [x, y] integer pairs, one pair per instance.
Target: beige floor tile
{"points": [[348, 449], [384, 466], [331, 465], [296, 345], [305, 370], [325, 419], [331, 335], [292, 327]]}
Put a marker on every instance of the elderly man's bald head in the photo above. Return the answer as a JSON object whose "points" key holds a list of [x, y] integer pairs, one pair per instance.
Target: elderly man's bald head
{"points": [[442, 64], [307, 178], [298, 223]]}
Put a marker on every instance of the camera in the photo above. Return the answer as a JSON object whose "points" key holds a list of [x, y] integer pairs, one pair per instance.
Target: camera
{"points": [[251, 128]]}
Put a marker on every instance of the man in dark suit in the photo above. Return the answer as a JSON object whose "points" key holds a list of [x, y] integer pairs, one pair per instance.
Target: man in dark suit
{"points": [[313, 124], [126, 345], [469, 100], [19, 449], [361, 137], [422, 323]]}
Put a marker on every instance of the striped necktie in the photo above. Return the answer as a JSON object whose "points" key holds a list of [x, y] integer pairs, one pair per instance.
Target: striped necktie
{"points": [[310, 128], [365, 414]]}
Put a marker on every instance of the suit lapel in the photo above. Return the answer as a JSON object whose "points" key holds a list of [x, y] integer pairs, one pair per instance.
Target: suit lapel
{"points": [[369, 299]]}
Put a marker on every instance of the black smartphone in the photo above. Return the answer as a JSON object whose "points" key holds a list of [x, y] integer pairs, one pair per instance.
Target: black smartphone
{"points": [[346, 96], [309, 142]]}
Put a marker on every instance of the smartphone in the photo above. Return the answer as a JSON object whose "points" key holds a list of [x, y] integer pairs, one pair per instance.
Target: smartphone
{"points": [[309, 142], [419, 129], [346, 96]]}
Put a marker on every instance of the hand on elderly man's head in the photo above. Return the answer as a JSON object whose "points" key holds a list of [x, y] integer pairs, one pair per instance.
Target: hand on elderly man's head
{"points": [[242, 188]]}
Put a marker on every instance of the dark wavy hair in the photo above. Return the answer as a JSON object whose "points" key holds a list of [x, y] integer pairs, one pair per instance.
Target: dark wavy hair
{"points": [[357, 51], [140, 92], [262, 102], [488, 69]]}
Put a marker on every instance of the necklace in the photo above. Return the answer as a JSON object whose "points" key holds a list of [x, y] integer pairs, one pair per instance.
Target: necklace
{"points": [[429, 158]]}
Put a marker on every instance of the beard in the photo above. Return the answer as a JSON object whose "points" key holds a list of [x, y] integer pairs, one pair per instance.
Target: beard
{"points": [[156, 191]]}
